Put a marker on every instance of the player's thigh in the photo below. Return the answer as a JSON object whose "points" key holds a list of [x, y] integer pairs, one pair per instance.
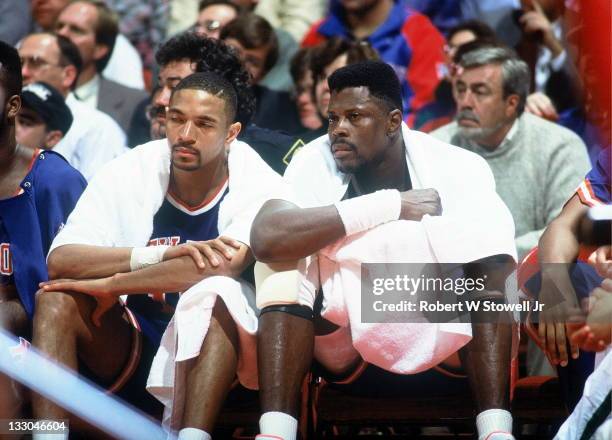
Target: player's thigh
{"points": [[103, 349]]}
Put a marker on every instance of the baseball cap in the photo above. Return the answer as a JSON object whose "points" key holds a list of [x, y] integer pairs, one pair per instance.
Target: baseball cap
{"points": [[48, 104]]}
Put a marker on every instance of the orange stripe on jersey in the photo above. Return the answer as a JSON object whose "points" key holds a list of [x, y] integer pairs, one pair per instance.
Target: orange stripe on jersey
{"points": [[204, 203], [587, 195], [597, 200]]}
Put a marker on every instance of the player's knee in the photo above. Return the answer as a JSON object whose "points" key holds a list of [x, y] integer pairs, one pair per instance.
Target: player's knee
{"points": [[54, 307]]}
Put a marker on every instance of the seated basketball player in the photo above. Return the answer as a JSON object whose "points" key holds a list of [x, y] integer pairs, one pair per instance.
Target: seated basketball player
{"points": [[37, 192], [104, 245], [369, 172]]}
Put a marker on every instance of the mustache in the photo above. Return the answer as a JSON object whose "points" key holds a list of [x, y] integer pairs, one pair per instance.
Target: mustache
{"points": [[467, 114], [343, 142], [183, 145]]}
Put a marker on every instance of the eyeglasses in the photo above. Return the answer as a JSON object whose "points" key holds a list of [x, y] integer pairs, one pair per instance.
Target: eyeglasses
{"points": [[208, 25], [36, 62]]}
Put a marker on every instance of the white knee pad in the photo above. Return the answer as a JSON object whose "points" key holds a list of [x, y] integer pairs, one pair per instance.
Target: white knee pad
{"points": [[276, 284], [281, 284]]}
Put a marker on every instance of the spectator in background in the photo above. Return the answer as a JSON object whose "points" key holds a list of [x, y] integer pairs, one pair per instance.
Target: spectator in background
{"points": [[94, 137], [329, 57], [156, 116], [123, 58], [536, 164], [301, 72], [444, 14], [500, 15], [293, 16], [554, 79], [256, 44], [44, 118], [182, 15], [213, 15], [466, 32], [144, 24], [93, 28], [441, 111], [403, 38], [45, 12]]}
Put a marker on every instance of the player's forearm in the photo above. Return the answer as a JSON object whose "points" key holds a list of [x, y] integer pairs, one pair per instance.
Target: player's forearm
{"points": [[173, 275], [86, 262], [291, 234], [559, 242], [176, 275]]}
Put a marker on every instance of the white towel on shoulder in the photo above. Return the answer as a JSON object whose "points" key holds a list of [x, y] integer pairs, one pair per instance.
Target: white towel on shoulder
{"points": [[118, 205]]}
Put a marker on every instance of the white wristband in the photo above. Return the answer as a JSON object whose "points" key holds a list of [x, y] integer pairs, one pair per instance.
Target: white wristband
{"points": [[146, 256], [370, 210]]}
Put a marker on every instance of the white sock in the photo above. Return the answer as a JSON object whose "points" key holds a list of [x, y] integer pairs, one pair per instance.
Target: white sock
{"points": [[493, 420], [277, 424], [193, 434]]}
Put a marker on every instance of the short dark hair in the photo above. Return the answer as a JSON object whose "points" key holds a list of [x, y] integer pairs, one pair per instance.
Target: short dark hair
{"points": [[253, 32], [106, 29], [325, 54], [206, 3], [10, 70], [69, 55], [210, 55], [214, 84], [377, 76], [481, 30]]}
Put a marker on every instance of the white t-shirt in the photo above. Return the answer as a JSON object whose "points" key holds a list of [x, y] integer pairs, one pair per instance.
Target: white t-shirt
{"points": [[93, 139]]}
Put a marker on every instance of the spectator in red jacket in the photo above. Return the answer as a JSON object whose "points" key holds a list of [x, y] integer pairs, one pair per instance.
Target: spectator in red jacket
{"points": [[404, 38]]}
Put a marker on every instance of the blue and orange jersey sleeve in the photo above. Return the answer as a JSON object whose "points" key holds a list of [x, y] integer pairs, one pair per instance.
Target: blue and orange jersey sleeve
{"points": [[424, 72], [596, 188]]}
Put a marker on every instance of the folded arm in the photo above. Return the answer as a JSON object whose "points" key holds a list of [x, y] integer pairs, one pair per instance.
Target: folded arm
{"points": [[284, 232]]}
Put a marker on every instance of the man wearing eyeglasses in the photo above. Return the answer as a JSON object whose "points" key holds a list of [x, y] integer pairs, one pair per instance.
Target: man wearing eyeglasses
{"points": [[213, 15], [94, 137]]}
